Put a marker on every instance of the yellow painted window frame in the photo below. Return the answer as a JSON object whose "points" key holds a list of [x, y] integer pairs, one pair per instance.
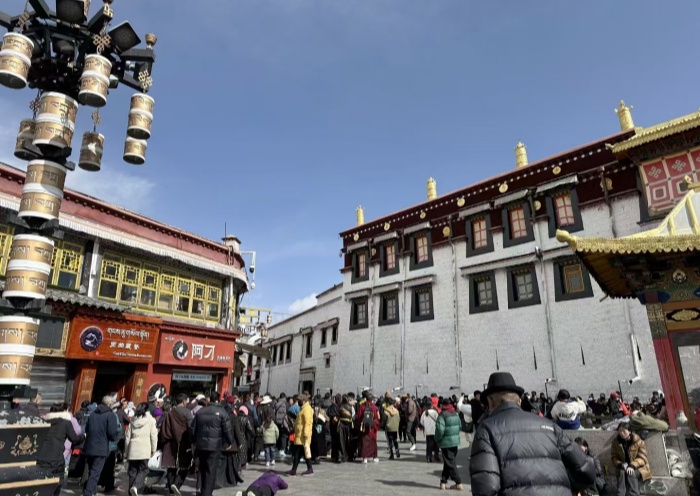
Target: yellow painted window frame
{"points": [[6, 235], [61, 250], [110, 260]]}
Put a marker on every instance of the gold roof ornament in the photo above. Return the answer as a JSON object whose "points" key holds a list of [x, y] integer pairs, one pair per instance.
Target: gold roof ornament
{"points": [[624, 113], [520, 155], [432, 189], [360, 215], [659, 131]]}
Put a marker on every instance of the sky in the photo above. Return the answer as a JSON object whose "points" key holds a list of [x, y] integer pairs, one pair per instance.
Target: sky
{"points": [[277, 118]]}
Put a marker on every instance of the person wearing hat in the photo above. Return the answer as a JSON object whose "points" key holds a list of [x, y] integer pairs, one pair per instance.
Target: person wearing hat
{"points": [[517, 452]]}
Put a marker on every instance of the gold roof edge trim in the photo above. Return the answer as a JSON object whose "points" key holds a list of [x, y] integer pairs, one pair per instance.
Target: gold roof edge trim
{"points": [[659, 131], [631, 245]]}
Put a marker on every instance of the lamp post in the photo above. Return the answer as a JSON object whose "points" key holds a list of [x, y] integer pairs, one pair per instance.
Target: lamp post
{"points": [[70, 59]]}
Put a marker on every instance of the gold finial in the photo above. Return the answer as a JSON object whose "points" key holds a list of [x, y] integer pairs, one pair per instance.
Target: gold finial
{"points": [[688, 184], [151, 40], [101, 41], [624, 113], [360, 215], [432, 189], [520, 155]]}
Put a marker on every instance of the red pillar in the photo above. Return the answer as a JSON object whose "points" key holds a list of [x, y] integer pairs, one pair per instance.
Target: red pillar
{"points": [[670, 382]]}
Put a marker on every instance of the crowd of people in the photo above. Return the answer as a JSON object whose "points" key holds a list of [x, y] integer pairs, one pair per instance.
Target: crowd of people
{"points": [[516, 439]]}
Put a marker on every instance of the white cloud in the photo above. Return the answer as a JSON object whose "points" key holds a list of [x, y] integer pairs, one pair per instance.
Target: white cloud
{"points": [[132, 192], [302, 304]]}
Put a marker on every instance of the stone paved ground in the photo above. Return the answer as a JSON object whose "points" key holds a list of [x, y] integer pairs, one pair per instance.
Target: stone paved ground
{"points": [[411, 475]]}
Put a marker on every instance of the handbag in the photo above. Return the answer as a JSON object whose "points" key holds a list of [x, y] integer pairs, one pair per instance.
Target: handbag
{"points": [[155, 460]]}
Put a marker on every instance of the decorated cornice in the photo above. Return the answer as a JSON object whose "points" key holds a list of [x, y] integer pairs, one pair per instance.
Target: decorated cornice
{"points": [[643, 136], [589, 157]]}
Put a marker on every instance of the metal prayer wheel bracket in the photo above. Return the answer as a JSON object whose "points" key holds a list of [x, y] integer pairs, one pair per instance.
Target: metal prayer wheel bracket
{"points": [[55, 154], [24, 304], [50, 228]]}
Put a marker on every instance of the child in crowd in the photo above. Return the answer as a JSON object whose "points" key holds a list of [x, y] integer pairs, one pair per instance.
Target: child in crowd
{"points": [[270, 435]]}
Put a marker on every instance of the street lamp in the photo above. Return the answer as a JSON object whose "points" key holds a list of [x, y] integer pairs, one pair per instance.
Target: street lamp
{"points": [[69, 61]]}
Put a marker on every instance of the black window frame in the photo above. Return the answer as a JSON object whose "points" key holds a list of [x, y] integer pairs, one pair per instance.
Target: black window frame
{"points": [[471, 251], [288, 355], [552, 214], [327, 360], [309, 345], [415, 291], [356, 266], [382, 308], [474, 306], [354, 324], [334, 334], [513, 301], [505, 217], [414, 265], [560, 293], [324, 337], [383, 271]]}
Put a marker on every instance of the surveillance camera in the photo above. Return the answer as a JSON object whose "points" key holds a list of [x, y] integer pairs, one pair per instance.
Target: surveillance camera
{"points": [[538, 252], [252, 268], [252, 285]]}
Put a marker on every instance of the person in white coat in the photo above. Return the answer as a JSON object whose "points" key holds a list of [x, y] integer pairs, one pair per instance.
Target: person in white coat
{"points": [[428, 420], [141, 445], [465, 409], [567, 412]]}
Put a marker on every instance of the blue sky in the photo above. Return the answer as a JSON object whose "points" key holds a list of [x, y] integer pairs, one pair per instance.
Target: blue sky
{"points": [[279, 117]]}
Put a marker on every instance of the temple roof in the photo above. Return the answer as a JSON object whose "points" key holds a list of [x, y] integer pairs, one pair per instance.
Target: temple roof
{"points": [[659, 131], [678, 232]]}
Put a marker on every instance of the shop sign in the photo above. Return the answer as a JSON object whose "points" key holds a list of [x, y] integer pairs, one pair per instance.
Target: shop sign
{"points": [[181, 376], [180, 349], [128, 341]]}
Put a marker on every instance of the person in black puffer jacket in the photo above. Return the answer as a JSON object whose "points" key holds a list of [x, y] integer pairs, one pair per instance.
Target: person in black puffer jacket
{"points": [[212, 434], [51, 456], [517, 453]]}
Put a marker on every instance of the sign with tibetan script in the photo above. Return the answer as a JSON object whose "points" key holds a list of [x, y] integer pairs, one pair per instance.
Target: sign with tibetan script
{"points": [[128, 340], [197, 351]]}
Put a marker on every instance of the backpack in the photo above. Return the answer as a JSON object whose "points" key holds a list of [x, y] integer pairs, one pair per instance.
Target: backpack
{"points": [[367, 418]]}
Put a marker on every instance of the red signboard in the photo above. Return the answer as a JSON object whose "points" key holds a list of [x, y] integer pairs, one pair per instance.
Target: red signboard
{"points": [[195, 351], [128, 339]]}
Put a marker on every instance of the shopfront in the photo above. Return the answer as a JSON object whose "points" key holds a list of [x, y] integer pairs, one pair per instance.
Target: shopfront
{"points": [[111, 354], [193, 360]]}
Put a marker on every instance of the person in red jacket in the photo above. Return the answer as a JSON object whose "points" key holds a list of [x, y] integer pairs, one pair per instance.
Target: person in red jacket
{"points": [[367, 420]]}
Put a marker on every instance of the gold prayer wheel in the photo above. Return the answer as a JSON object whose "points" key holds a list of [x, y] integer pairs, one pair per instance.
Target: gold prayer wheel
{"points": [[15, 329], [25, 283], [97, 63], [24, 137], [94, 87], [141, 101], [58, 105], [15, 369], [31, 248], [135, 151], [36, 202], [139, 125], [53, 131], [14, 69], [91, 151], [18, 43], [47, 173]]}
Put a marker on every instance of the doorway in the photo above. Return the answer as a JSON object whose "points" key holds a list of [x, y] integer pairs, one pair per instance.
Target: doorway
{"points": [[193, 385], [307, 386], [687, 350], [111, 379]]}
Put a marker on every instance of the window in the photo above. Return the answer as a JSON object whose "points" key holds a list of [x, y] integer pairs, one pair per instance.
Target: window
{"points": [[360, 266], [389, 309], [274, 354], [522, 287], [422, 304], [289, 352], [50, 335], [6, 233], [479, 239], [482, 295], [309, 343], [571, 280], [66, 266], [150, 287], [324, 334], [358, 316], [388, 259], [422, 255], [563, 212], [327, 357], [517, 226], [334, 335]]}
